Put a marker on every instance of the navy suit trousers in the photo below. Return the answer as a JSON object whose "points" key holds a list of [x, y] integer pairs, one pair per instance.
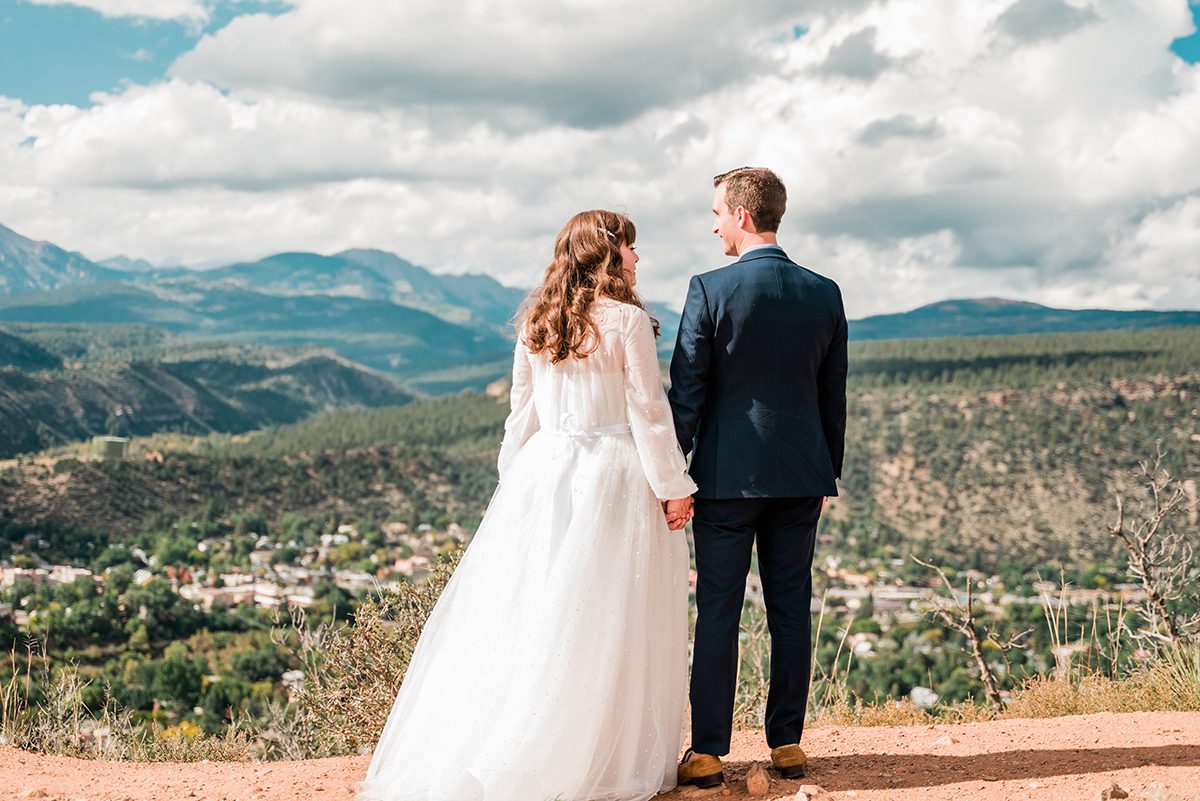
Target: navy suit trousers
{"points": [[725, 530]]}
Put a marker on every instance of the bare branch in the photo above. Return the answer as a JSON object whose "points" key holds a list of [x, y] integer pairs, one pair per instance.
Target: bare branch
{"points": [[1160, 557], [961, 618]]}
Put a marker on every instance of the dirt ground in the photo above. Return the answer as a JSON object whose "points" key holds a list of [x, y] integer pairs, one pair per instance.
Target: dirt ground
{"points": [[1152, 756]]}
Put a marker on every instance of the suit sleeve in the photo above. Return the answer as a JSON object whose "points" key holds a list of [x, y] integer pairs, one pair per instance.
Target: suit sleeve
{"points": [[650, 415], [522, 421], [831, 388], [689, 365]]}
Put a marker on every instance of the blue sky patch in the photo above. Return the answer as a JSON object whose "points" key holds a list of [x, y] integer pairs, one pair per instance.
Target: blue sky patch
{"points": [[1188, 47], [62, 54]]}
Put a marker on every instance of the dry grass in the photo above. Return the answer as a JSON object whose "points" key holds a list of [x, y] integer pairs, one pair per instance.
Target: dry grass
{"points": [[1170, 683], [14, 708], [903, 712], [62, 724], [831, 703], [352, 673], [754, 669], [284, 734], [1169, 680], [186, 743]]}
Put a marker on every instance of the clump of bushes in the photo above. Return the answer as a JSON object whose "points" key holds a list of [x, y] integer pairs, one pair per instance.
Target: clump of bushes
{"points": [[352, 673]]}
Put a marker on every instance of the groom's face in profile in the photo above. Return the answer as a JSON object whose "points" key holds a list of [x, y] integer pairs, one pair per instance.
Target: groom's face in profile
{"points": [[725, 224]]}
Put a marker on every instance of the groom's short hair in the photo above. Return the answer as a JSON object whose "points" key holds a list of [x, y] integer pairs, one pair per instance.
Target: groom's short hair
{"points": [[759, 191]]}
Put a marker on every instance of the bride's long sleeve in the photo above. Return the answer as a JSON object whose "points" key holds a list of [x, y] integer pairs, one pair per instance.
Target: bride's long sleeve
{"points": [[650, 414], [522, 421]]}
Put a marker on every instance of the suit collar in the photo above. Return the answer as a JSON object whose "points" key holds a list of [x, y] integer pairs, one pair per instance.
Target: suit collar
{"points": [[771, 251]]}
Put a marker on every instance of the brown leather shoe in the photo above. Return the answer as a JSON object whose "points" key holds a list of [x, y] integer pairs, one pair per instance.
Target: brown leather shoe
{"points": [[701, 770], [789, 760]]}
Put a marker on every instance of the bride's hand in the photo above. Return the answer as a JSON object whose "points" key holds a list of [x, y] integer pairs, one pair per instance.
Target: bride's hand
{"points": [[678, 512]]}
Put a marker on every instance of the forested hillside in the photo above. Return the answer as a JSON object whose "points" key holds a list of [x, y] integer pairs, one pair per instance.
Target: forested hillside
{"points": [[1005, 449], [982, 451], [25, 355], [69, 383]]}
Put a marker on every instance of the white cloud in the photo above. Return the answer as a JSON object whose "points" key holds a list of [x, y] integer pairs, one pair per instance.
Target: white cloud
{"points": [[1157, 262], [856, 57], [975, 161], [141, 54], [586, 62], [195, 11], [1031, 20], [900, 126]]}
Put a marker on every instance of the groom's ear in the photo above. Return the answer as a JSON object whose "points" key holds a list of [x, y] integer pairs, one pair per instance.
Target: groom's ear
{"points": [[744, 220]]}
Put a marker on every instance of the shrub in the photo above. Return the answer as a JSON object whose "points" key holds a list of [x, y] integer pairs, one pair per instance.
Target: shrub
{"points": [[353, 672]]}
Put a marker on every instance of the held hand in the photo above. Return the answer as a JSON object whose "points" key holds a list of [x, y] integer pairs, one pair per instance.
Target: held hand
{"points": [[678, 511]]}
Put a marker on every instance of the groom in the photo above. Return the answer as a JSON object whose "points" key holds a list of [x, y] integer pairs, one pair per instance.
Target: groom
{"points": [[758, 391]]}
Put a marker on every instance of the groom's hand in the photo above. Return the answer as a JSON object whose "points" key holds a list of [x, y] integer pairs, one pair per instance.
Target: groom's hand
{"points": [[669, 517], [679, 512]]}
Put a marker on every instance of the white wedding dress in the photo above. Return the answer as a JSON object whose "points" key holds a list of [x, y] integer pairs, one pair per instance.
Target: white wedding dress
{"points": [[554, 665]]}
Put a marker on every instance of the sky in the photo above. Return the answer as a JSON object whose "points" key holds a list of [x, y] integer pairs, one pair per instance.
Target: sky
{"points": [[1043, 150]]}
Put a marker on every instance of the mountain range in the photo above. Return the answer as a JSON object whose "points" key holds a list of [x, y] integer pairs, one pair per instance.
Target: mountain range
{"points": [[999, 317], [437, 333], [378, 333], [360, 274], [29, 266], [125, 346]]}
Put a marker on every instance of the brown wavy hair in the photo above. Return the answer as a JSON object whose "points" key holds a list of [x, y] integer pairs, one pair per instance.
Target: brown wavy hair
{"points": [[586, 266]]}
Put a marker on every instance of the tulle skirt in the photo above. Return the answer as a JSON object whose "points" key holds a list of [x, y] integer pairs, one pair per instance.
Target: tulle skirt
{"points": [[554, 665]]}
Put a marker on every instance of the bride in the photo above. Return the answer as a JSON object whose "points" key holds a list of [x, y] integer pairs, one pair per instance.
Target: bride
{"points": [[554, 665]]}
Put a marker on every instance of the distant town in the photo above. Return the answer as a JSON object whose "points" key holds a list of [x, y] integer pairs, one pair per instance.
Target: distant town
{"points": [[874, 591]]}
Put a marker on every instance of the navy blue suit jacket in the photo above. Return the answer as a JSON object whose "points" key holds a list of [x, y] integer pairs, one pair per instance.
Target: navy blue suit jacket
{"points": [[758, 379]]}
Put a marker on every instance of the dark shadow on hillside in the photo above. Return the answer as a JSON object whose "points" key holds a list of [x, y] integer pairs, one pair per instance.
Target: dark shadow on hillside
{"points": [[908, 368], [900, 771]]}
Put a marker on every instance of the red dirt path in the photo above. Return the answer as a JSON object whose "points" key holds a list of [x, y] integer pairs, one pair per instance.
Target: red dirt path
{"points": [[1151, 755]]}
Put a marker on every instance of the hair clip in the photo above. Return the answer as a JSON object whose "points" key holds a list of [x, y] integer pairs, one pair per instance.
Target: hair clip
{"points": [[611, 235]]}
